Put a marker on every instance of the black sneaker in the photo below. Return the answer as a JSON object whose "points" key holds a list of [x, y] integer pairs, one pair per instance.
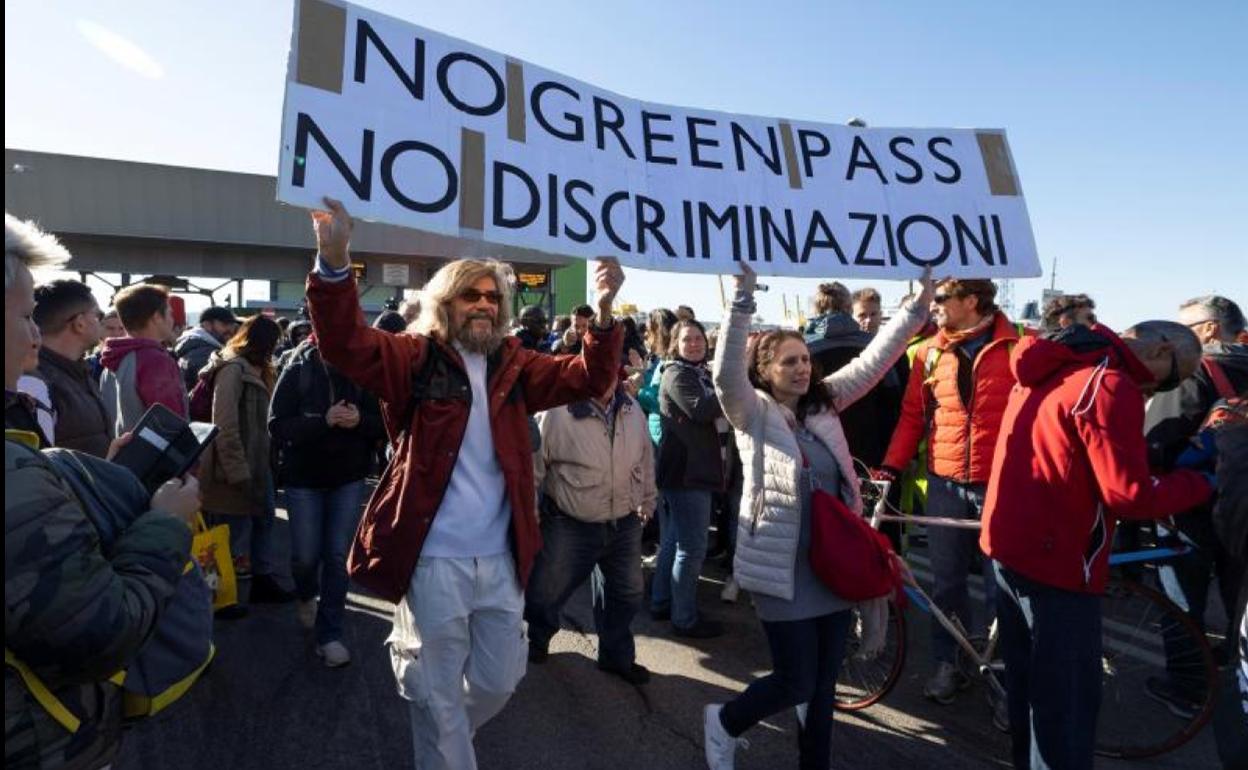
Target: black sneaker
{"points": [[537, 653], [232, 612], [266, 590], [1172, 697], [703, 629], [661, 615], [633, 673]]}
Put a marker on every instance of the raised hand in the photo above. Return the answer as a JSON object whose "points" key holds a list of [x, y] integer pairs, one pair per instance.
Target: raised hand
{"points": [[746, 280], [608, 278], [333, 234], [929, 287]]}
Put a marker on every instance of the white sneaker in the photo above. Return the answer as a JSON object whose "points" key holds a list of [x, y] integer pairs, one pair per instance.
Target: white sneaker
{"points": [[731, 590], [721, 748], [306, 612], [334, 654]]}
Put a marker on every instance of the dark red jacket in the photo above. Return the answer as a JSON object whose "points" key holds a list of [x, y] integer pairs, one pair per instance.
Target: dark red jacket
{"points": [[1071, 459], [520, 382]]}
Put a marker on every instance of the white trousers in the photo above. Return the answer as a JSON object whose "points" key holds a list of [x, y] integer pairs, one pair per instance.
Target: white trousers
{"points": [[459, 649]]}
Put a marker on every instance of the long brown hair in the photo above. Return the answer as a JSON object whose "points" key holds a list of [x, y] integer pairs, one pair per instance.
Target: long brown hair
{"points": [[255, 342], [760, 353], [673, 339], [446, 284]]}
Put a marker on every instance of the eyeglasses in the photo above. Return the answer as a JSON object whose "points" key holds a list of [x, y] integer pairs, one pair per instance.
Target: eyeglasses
{"points": [[473, 296], [941, 299]]}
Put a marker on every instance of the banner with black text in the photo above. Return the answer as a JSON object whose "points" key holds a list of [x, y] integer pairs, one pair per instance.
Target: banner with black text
{"points": [[485, 154]]}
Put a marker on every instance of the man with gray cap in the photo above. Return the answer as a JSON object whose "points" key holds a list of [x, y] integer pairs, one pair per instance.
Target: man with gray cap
{"points": [[195, 346]]}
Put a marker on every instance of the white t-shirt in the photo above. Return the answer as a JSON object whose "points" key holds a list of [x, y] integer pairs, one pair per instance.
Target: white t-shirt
{"points": [[475, 514]]}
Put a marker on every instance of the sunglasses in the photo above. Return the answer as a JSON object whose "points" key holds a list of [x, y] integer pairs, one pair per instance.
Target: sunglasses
{"points": [[941, 299], [473, 296]]}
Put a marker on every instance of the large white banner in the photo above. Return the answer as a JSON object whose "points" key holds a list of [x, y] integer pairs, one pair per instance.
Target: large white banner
{"points": [[492, 155]]}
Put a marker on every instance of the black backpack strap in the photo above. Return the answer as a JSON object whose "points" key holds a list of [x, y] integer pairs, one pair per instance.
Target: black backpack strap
{"points": [[420, 383]]}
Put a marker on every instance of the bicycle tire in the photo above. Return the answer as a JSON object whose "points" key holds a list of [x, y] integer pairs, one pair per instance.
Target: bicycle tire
{"points": [[861, 683], [1138, 623]]}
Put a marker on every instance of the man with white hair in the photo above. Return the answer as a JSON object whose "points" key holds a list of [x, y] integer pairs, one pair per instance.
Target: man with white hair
{"points": [[74, 614], [1174, 419], [451, 534]]}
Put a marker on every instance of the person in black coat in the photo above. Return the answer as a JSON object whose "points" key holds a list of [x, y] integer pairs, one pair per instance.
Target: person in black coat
{"points": [[326, 431], [690, 468]]}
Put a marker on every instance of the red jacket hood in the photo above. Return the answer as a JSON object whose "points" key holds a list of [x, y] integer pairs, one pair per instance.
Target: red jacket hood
{"points": [[1037, 359], [117, 348]]}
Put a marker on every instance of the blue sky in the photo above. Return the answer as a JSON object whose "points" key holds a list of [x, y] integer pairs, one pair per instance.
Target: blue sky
{"points": [[1127, 120]]}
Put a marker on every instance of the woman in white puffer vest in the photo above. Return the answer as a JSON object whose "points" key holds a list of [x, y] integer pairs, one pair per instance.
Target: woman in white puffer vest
{"points": [[791, 442]]}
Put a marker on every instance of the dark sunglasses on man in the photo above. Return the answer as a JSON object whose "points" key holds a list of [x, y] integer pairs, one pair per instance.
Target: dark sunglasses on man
{"points": [[473, 296]]}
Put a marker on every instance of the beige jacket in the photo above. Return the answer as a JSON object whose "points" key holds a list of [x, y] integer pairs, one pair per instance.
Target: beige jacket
{"points": [[234, 472], [591, 476]]}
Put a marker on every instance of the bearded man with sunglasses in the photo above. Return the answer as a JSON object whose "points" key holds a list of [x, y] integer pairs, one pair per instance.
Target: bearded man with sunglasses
{"points": [[451, 533], [959, 383]]}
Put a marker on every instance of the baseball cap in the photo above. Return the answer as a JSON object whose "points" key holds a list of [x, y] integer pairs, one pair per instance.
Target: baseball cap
{"points": [[218, 313]]}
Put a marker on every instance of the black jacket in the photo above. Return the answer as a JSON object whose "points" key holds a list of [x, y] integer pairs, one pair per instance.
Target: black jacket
{"points": [[835, 340], [81, 419], [1175, 416], [310, 452], [690, 452], [19, 414], [531, 341], [193, 350]]}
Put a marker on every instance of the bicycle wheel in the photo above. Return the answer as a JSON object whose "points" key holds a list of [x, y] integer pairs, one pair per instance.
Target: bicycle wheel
{"points": [[1146, 641], [864, 680]]}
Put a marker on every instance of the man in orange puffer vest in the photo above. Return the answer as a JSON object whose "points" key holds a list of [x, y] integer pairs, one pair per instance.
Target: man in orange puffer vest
{"points": [[955, 398]]}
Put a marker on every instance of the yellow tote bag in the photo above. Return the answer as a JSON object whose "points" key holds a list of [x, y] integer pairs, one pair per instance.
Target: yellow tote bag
{"points": [[211, 548]]}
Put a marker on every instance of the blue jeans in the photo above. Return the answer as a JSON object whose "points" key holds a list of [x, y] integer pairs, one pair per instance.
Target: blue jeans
{"points": [[683, 526], [322, 523], [806, 658], [952, 552], [251, 536], [573, 550], [1051, 643]]}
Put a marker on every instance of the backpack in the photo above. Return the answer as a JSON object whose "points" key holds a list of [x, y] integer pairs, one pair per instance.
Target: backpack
{"points": [[200, 408], [180, 645], [1223, 438]]}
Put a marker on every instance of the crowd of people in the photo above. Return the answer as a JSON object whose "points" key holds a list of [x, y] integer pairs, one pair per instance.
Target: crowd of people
{"points": [[512, 461]]}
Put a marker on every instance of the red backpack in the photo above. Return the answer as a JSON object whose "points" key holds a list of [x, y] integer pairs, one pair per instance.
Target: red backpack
{"points": [[853, 560], [200, 409]]}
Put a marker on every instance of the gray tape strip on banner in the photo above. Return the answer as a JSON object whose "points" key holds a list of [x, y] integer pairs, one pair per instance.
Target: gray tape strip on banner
{"points": [[322, 38], [515, 101], [790, 155], [997, 165], [471, 180]]}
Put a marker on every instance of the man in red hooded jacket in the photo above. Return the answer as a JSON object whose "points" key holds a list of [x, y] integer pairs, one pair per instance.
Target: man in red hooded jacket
{"points": [[1070, 460]]}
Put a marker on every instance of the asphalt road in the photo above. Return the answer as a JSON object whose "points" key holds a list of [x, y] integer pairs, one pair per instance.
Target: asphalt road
{"points": [[268, 703]]}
